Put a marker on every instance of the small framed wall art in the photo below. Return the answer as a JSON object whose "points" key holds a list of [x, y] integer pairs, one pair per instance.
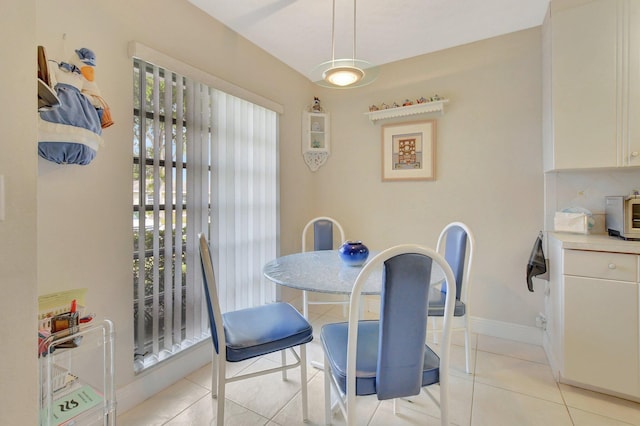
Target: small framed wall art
{"points": [[409, 151]]}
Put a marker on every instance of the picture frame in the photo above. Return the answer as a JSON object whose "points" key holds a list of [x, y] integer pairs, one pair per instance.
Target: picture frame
{"points": [[409, 151]]}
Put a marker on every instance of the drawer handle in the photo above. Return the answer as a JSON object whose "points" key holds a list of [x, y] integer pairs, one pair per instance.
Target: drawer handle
{"points": [[612, 266]]}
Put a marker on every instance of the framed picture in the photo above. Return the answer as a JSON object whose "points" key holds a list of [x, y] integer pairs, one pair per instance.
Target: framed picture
{"points": [[409, 151]]}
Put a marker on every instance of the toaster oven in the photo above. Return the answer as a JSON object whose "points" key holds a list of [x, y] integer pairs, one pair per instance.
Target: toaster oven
{"points": [[622, 216]]}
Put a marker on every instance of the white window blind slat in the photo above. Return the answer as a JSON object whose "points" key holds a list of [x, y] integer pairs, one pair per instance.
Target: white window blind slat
{"points": [[242, 189], [190, 122], [157, 142], [180, 197], [169, 200]]}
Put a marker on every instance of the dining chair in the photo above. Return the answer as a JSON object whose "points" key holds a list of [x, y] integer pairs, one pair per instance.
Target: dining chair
{"points": [[389, 357], [456, 242], [323, 239], [249, 333]]}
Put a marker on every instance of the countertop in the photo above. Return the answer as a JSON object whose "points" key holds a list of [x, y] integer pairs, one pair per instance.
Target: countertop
{"points": [[596, 242]]}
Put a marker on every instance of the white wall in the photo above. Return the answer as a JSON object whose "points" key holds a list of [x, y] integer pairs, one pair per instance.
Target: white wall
{"points": [[18, 280], [488, 171]]}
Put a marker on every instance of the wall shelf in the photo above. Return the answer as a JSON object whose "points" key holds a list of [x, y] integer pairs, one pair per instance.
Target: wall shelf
{"points": [[427, 107], [316, 138]]}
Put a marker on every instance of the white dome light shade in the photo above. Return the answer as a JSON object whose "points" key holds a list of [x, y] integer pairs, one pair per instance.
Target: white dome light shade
{"points": [[344, 73], [343, 76]]}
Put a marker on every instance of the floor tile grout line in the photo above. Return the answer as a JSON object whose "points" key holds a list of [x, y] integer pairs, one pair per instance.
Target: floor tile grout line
{"points": [[373, 414], [564, 400], [514, 357], [584, 409], [227, 399], [473, 383], [523, 394], [208, 394]]}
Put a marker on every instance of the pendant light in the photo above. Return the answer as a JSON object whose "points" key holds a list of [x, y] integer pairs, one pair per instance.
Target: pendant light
{"points": [[344, 73]]}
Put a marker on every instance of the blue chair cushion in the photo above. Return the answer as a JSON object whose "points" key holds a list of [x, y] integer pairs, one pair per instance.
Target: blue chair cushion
{"points": [[334, 339], [436, 305], [323, 235], [264, 329]]}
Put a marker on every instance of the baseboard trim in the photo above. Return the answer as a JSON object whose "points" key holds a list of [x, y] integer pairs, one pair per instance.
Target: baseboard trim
{"points": [[162, 376], [507, 330], [504, 330]]}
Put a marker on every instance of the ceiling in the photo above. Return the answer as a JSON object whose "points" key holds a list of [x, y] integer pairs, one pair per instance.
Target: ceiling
{"points": [[298, 32]]}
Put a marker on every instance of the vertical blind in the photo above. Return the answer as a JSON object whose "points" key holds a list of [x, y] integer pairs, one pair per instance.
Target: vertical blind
{"points": [[244, 200], [204, 161]]}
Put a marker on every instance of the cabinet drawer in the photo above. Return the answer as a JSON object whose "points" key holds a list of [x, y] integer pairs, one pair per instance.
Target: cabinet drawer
{"points": [[594, 264]]}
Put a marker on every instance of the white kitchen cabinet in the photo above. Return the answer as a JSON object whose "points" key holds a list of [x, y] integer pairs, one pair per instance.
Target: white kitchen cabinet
{"points": [[591, 84], [601, 320], [601, 333], [592, 305]]}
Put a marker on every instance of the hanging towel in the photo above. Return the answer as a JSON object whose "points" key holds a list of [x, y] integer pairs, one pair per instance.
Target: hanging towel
{"points": [[537, 265]]}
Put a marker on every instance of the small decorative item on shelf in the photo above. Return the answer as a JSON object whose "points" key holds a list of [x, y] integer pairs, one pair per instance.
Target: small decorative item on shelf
{"points": [[315, 106], [421, 105], [353, 253], [405, 103]]}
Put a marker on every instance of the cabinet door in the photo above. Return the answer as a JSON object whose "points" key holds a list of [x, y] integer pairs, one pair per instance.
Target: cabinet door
{"points": [[601, 334], [584, 85], [633, 117]]}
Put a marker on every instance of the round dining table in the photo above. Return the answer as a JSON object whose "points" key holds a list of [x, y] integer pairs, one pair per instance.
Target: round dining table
{"points": [[323, 272]]}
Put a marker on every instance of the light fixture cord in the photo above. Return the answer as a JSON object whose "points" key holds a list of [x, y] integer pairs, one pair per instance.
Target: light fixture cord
{"points": [[354, 32], [333, 35]]}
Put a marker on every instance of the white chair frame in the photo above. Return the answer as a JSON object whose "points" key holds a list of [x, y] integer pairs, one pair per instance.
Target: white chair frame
{"points": [[305, 296], [464, 293], [219, 378], [347, 403]]}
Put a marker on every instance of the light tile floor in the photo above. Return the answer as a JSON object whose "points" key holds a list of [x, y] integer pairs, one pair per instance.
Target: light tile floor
{"points": [[511, 385]]}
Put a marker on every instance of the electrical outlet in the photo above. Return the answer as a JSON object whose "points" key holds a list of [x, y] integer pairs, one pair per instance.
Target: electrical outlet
{"points": [[541, 321]]}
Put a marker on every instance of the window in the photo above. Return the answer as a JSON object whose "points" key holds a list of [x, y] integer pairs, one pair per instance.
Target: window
{"points": [[203, 161]]}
